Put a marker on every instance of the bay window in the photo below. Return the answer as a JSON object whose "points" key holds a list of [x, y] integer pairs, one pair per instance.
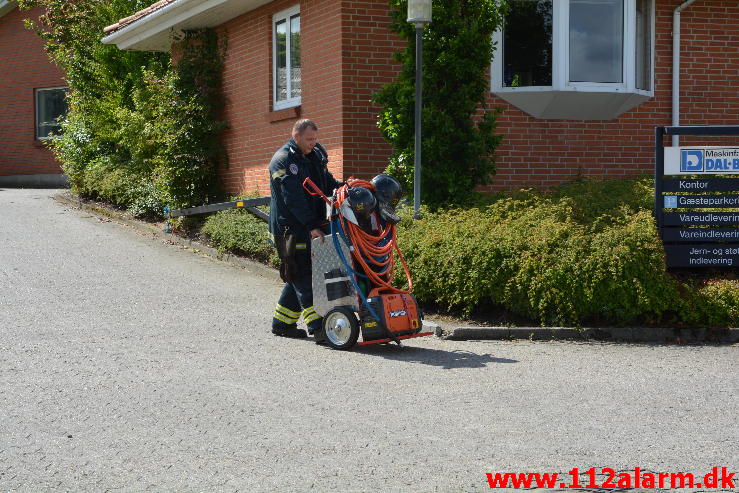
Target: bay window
{"points": [[575, 59]]}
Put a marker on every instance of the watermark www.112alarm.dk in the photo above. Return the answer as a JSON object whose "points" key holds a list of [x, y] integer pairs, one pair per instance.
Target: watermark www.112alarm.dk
{"points": [[719, 478]]}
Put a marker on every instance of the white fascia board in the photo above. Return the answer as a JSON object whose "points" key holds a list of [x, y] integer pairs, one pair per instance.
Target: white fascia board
{"points": [[152, 32], [154, 24], [6, 6]]}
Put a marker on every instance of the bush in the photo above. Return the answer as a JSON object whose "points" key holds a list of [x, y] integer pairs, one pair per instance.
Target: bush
{"points": [[104, 180], [458, 128], [147, 203], [239, 231], [712, 303], [566, 258], [135, 120]]}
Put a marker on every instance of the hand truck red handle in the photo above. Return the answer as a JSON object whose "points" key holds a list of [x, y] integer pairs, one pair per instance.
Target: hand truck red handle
{"points": [[313, 189]]}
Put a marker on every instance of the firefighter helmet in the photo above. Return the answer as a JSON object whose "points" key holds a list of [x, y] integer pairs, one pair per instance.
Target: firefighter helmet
{"points": [[362, 202], [388, 192]]}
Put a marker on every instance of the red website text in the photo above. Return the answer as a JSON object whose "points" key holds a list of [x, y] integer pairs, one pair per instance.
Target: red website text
{"points": [[717, 478]]}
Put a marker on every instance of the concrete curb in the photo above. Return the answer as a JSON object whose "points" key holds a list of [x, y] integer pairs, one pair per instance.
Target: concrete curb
{"points": [[627, 334], [69, 200]]}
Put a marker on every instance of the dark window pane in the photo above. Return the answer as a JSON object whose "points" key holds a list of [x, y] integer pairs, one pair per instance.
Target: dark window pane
{"points": [[295, 70], [596, 40], [644, 44], [281, 61], [527, 44], [51, 105]]}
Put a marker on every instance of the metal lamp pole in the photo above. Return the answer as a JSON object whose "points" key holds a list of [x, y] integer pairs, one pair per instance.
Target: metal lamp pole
{"points": [[419, 13]]}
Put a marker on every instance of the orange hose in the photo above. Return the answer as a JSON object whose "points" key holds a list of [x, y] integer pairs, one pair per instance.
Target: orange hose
{"points": [[366, 245]]}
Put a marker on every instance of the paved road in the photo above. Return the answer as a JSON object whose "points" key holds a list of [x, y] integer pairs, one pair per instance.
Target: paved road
{"points": [[127, 364]]}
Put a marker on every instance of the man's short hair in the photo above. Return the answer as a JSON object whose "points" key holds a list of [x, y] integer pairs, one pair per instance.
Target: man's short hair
{"points": [[301, 125]]}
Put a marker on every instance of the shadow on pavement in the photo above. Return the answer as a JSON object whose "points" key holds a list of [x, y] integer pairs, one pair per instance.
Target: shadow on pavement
{"points": [[434, 357]]}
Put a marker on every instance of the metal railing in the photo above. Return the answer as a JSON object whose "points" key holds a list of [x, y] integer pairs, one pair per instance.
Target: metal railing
{"points": [[248, 204]]}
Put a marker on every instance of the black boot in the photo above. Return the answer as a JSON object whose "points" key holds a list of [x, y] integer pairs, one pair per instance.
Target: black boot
{"points": [[289, 331], [315, 329]]}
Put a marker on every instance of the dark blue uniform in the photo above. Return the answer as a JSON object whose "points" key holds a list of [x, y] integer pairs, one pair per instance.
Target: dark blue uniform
{"points": [[294, 212]]}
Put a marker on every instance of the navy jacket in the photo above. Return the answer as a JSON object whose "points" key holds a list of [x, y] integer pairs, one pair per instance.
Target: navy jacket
{"points": [[292, 210]]}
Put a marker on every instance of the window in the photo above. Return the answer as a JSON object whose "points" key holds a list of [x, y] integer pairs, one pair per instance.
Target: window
{"points": [[596, 40], [644, 45], [527, 52], [51, 106], [286, 58], [575, 59]]}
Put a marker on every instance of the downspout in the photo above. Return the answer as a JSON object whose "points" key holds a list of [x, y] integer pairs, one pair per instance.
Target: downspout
{"points": [[676, 68]]}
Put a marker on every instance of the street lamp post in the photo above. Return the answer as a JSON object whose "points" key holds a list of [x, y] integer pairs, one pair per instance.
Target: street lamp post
{"points": [[419, 13]]}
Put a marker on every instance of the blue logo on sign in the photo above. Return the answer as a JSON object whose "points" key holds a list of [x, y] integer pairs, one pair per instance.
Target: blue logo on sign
{"points": [[670, 202], [691, 160]]}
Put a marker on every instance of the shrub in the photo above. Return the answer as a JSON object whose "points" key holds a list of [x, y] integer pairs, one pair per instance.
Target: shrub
{"points": [[239, 231], [709, 303], [147, 202], [133, 115], [104, 180], [579, 255], [458, 130], [564, 258]]}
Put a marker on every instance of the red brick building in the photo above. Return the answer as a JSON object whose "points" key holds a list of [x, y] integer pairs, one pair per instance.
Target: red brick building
{"points": [[31, 98], [583, 99]]}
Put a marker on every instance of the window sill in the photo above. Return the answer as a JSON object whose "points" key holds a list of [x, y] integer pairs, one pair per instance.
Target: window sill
{"points": [[573, 104], [286, 114]]}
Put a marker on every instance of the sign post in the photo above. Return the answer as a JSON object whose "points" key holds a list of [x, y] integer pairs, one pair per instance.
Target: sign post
{"points": [[697, 221]]}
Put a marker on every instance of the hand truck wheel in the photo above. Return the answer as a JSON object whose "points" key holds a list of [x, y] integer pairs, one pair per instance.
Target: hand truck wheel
{"points": [[340, 328]]}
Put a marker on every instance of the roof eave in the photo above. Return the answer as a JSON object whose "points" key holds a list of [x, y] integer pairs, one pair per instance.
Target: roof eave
{"points": [[6, 6], [154, 32]]}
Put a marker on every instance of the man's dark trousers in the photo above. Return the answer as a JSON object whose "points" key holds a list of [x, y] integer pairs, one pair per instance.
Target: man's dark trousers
{"points": [[297, 295]]}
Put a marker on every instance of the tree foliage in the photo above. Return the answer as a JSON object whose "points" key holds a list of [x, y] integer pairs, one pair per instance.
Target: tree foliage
{"points": [[458, 129], [140, 132]]}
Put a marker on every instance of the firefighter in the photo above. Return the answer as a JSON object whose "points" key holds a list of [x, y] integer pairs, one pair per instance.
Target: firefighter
{"points": [[295, 218]]}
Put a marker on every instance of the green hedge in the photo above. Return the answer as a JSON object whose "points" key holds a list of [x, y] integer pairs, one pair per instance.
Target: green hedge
{"points": [[239, 231], [537, 257], [585, 253], [140, 132]]}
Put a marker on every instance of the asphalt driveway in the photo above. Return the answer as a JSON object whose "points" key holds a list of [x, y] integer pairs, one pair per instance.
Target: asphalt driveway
{"points": [[127, 364]]}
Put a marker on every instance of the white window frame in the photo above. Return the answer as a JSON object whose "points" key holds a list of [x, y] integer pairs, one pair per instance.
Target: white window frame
{"points": [[561, 58], [36, 105], [280, 16]]}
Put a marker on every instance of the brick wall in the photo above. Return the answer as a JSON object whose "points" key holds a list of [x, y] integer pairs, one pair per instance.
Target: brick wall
{"points": [[709, 68], [255, 130], [347, 50], [367, 48], [25, 68], [542, 153]]}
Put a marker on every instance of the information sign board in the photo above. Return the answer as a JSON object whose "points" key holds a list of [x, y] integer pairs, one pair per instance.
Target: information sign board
{"points": [[701, 201], [700, 234], [697, 213], [699, 219], [701, 160], [682, 185], [715, 255]]}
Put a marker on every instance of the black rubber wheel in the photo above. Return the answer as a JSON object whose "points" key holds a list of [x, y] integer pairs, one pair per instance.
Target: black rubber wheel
{"points": [[340, 328]]}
